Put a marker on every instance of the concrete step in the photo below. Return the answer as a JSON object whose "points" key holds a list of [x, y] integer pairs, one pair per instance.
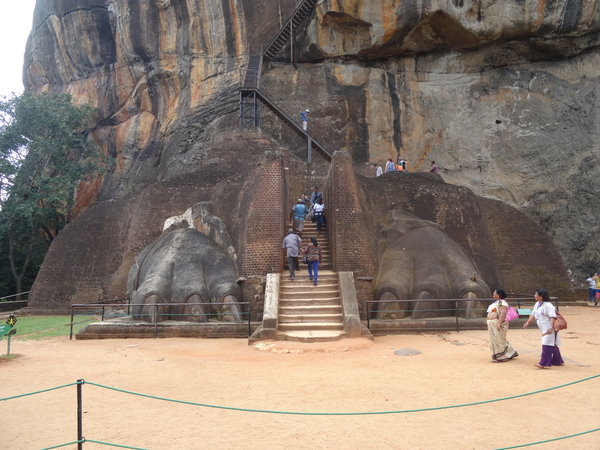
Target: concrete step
{"points": [[310, 292], [302, 275], [310, 301], [304, 285], [311, 326], [310, 318], [311, 336], [322, 309]]}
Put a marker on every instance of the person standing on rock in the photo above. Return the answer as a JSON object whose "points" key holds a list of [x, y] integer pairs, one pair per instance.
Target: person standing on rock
{"points": [[292, 245], [304, 119], [313, 256], [298, 213], [378, 170], [401, 164], [389, 166], [434, 168]]}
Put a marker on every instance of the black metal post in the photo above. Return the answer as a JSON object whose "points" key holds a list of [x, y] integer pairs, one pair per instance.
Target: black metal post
{"points": [[156, 322], [368, 315], [309, 150], [456, 309], [103, 313], [80, 437], [249, 316], [71, 332], [292, 41]]}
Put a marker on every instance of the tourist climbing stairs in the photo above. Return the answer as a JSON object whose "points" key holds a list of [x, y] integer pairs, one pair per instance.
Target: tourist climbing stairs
{"points": [[299, 10], [308, 312], [253, 88]]}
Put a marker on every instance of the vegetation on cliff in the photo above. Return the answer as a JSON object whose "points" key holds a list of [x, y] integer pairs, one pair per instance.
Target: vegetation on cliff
{"points": [[45, 154]]}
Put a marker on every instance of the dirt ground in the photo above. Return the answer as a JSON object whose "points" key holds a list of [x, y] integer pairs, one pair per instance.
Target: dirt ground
{"points": [[350, 376]]}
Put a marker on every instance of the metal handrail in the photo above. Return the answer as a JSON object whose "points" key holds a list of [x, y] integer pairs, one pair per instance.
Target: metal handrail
{"points": [[290, 12], [456, 303], [315, 133], [103, 304], [14, 295]]}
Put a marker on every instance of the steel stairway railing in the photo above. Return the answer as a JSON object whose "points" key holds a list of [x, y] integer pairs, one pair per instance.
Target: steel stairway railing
{"points": [[253, 88], [297, 11], [317, 136]]}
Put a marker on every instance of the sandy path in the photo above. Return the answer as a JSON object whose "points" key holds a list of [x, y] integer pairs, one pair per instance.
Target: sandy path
{"points": [[347, 376]]}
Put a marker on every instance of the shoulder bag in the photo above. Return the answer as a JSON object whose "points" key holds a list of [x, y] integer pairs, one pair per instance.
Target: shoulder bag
{"points": [[511, 313], [560, 323]]}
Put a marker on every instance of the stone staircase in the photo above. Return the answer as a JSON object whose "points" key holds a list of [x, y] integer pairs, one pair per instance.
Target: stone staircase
{"points": [[307, 312]]}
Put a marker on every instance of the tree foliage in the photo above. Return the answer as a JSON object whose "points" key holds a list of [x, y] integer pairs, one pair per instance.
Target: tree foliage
{"points": [[45, 153]]}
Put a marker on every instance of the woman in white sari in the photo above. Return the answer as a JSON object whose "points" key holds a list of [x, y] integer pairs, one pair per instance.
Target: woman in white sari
{"points": [[500, 348], [545, 314]]}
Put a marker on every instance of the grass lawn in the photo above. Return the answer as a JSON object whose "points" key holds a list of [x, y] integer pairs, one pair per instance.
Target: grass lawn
{"points": [[44, 327]]}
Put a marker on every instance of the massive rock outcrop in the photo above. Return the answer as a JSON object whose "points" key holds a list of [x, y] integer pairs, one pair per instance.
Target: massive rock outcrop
{"points": [[503, 95]]}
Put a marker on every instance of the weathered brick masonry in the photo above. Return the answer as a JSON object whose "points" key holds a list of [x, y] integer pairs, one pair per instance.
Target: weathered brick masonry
{"points": [[352, 233], [261, 248]]}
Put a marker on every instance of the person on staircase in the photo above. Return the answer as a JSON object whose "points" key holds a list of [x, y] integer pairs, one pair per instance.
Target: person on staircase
{"points": [[304, 119], [298, 213], [313, 256], [319, 209], [316, 195], [291, 246], [313, 200]]}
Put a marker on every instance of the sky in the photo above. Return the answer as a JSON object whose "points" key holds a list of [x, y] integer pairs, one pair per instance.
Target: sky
{"points": [[15, 25]]}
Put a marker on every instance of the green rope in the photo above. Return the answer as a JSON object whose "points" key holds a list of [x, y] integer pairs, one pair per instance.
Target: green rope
{"points": [[62, 445], [551, 440], [345, 413], [113, 445], [39, 392]]}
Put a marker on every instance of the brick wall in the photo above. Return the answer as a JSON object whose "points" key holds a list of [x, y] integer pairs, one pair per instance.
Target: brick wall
{"points": [[349, 225], [90, 259], [265, 218]]}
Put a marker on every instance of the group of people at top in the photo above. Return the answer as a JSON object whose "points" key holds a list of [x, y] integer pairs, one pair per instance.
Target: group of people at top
{"points": [[400, 166], [544, 313], [593, 283], [311, 208], [305, 208]]}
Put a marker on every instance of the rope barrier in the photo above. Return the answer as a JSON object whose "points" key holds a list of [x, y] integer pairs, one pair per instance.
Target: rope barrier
{"points": [[38, 392], [550, 440], [63, 445], [316, 413], [231, 408], [113, 445]]}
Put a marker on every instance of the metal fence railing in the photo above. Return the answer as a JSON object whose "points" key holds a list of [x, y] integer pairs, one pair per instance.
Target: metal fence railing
{"points": [[13, 305], [452, 309], [103, 309]]}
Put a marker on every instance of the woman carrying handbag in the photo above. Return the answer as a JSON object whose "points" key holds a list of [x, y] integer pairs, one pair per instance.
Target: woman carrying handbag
{"points": [[544, 313], [313, 259]]}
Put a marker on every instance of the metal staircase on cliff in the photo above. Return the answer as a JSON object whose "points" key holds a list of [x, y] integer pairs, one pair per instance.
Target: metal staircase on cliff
{"points": [[253, 90], [300, 11]]}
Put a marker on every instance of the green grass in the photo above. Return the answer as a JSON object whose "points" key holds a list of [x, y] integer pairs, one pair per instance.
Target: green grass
{"points": [[45, 327]]}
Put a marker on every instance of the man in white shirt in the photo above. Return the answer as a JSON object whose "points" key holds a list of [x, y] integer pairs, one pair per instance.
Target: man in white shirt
{"points": [[378, 170]]}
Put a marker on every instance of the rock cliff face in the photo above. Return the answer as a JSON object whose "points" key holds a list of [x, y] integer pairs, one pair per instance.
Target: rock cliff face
{"points": [[503, 95]]}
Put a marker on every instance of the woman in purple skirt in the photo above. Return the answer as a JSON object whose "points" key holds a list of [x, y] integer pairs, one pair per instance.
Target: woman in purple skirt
{"points": [[545, 314]]}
